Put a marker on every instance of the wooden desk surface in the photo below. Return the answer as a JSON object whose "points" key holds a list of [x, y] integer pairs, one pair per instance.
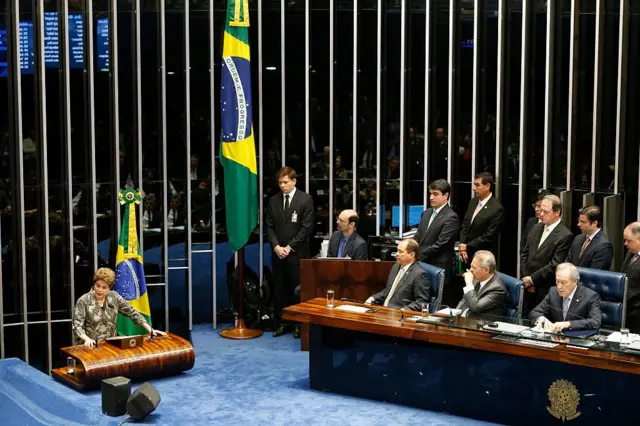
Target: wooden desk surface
{"points": [[387, 322], [163, 355]]}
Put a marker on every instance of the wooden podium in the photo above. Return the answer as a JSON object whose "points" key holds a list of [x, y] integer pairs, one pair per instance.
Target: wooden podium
{"points": [[160, 356], [353, 279]]}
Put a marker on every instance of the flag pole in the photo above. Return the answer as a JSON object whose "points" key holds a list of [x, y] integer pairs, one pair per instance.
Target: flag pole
{"points": [[240, 331]]}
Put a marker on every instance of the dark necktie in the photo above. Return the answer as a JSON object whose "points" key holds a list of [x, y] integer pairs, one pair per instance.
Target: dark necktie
{"points": [[477, 288], [287, 206], [343, 243]]}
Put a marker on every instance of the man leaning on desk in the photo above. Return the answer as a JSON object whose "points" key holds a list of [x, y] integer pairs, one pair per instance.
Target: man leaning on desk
{"points": [[568, 306], [346, 242], [408, 284]]}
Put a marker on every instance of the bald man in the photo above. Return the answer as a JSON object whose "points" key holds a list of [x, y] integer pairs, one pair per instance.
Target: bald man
{"points": [[346, 242]]}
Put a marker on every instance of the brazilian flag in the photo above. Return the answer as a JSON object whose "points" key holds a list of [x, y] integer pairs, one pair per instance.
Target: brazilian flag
{"points": [[130, 282], [237, 148]]}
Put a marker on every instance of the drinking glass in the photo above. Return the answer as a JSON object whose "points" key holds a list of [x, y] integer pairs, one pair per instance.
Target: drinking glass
{"points": [[425, 309], [330, 296], [71, 365], [624, 337]]}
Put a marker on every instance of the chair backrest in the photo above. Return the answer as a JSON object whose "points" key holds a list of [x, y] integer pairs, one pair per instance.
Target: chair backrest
{"points": [[515, 295], [436, 278], [612, 288]]}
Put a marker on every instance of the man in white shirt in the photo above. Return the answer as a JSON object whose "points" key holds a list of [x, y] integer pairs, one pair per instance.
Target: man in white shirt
{"points": [[568, 306], [484, 292], [408, 285], [547, 247]]}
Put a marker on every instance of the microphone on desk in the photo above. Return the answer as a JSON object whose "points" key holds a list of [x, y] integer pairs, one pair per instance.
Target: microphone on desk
{"points": [[346, 299]]}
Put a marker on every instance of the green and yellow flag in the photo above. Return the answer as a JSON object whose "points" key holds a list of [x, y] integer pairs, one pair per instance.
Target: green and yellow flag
{"points": [[237, 150], [130, 281]]}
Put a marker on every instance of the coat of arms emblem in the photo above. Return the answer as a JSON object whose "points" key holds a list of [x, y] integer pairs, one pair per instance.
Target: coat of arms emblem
{"points": [[563, 400]]}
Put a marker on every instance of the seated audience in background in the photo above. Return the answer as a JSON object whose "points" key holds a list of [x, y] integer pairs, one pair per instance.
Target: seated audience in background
{"points": [[631, 267], [151, 218], [483, 221], [547, 247], [339, 171], [408, 285], [591, 249], [568, 306], [484, 292], [96, 312], [176, 215], [346, 242]]}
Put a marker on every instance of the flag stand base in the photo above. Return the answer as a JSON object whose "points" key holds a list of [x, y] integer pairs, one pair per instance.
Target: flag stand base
{"points": [[240, 332]]}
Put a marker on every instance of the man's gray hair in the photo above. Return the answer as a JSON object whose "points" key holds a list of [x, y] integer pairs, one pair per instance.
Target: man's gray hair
{"points": [[573, 271], [486, 259], [556, 204], [634, 227]]}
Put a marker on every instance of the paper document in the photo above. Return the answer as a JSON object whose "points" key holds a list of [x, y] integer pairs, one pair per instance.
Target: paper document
{"points": [[635, 346], [447, 311], [505, 327], [615, 337], [351, 308]]}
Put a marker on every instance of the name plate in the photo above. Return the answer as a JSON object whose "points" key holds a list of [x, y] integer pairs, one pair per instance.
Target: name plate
{"points": [[126, 342]]}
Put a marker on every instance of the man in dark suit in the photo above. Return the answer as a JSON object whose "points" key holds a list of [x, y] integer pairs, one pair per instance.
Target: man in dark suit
{"points": [[546, 248], [591, 249], [631, 267], [484, 292], [408, 284], [346, 242], [483, 221], [535, 218], [568, 306], [437, 233], [290, 220]]}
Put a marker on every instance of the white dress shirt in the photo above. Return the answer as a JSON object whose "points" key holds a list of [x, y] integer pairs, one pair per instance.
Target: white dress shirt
{"points": [[548, 229], [567, 301], [396, 281], [480, 206], [284, 199]]}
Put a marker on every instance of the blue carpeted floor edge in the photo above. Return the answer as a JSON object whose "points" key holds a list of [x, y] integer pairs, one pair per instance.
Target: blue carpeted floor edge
{"points": [[255, 382]]}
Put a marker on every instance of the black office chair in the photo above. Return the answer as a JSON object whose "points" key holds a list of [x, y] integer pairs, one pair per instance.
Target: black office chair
{"points": [[515, 295], [612, 288], [436, 277]]}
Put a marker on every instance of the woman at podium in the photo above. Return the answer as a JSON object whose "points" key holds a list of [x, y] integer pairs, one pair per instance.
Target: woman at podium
{"points": [[96, 312]]}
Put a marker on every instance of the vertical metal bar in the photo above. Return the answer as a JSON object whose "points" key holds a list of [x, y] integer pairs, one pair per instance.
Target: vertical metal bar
{"points": [[331, 109], [621, 92], [450, 93], [213, 136], [427, 99], [307, 66], [574, 52], [524, 86], [91, 118], [66, 128], [355, 103], [378, 113], [15, 108], [403, 78], [260, 141], [500, 98], [165, 174], [548, 93], [41, 119], [137, 11], [477, 45], [283, 83], [115, 109], [187, 119], [597, 94]]}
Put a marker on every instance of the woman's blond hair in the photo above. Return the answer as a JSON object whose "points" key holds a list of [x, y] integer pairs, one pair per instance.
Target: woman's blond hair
{"points": [[107, 275]]}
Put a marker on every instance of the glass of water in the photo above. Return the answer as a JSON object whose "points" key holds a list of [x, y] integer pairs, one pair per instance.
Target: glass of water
{"points": [[624, 337], [71, 365], [330, 296], [425, 309]]}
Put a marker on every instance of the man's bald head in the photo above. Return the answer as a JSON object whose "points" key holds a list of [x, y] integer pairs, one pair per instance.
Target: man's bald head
{"points": [[347, 222]]}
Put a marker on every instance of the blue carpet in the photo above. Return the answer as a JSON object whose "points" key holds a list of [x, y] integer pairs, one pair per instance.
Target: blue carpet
{"points": [[257, 382]]}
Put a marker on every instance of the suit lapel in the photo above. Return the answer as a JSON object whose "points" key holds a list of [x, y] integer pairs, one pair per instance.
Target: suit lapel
{"points": [[428, 214], [292, 206], [350, 241], [403, 280], [575, 302], [549, 238], [591, 244], [485, 288], [437, 218]]}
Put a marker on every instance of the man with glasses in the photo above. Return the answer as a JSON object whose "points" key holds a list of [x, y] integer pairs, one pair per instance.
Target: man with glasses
{"points": [[568, 306], [346, 242], [547, 246], [484, 292]]}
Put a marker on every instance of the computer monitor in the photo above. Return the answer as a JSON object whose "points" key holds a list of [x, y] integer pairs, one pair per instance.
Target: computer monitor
{"points": [[412, 215]]}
